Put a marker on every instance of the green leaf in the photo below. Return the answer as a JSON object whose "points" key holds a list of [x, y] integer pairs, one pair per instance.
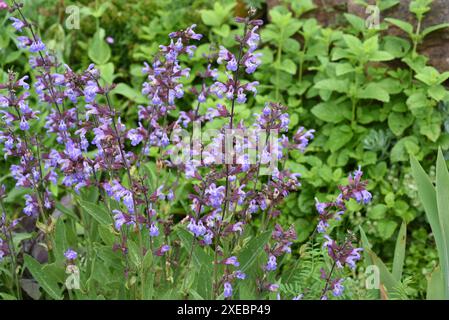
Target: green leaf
{"points": [[374, 91], [386, 278], [252, 250], [399, 252], [435, 285], [434, 28], [398, 122], [442, 192], [99, 51], [356, 22], [396, 46], [99, 213], [427, 195], [431, 126], [381, 56], [343, 68], [218, 15], [288, 66], [377, 212], [204, 283], [60, 241], [45, 280], [6, 296], [328, 111], [437, 92], [404, 148], [353, 43], [130, 93], [386, 228], [405, 26], [134, 254], [339, 136], [199, 256], [418, 104], [333, 85]]}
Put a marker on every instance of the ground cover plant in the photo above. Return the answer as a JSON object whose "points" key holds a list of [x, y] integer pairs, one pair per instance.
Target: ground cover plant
{"points": [[236, 153]]}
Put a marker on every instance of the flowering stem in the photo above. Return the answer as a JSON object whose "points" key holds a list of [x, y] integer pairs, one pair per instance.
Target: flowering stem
{"points": [[128, 172], [10, 243], [328, 280], [33, 34]]}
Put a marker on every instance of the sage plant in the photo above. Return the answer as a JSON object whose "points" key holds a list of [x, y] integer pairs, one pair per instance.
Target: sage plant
{"points": [[237, 180]]}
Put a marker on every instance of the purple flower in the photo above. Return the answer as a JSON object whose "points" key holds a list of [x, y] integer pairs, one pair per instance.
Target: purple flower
{"points": [[272, 264], [225, 56], [337, 288], [208, 238], [251, 62], [191, 34], [253, 39], [135, 136], [231, 261], [302, 138], [215, 195], [273, 287], [353, 257], [23, 84], [154, 231], [37, 46], [31, 206], [162, 250], [198, 229], [227, 293], [90, 91], [70, 254], [121, 219], [17, 24], [240, 275], [24, 125], [23, 42]]}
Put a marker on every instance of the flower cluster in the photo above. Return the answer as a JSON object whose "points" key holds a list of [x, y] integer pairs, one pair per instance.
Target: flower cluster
{"points": [[341, 254]]}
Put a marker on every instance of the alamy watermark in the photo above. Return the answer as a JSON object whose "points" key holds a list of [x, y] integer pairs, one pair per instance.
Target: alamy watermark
{"points": [[227, 147]]}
